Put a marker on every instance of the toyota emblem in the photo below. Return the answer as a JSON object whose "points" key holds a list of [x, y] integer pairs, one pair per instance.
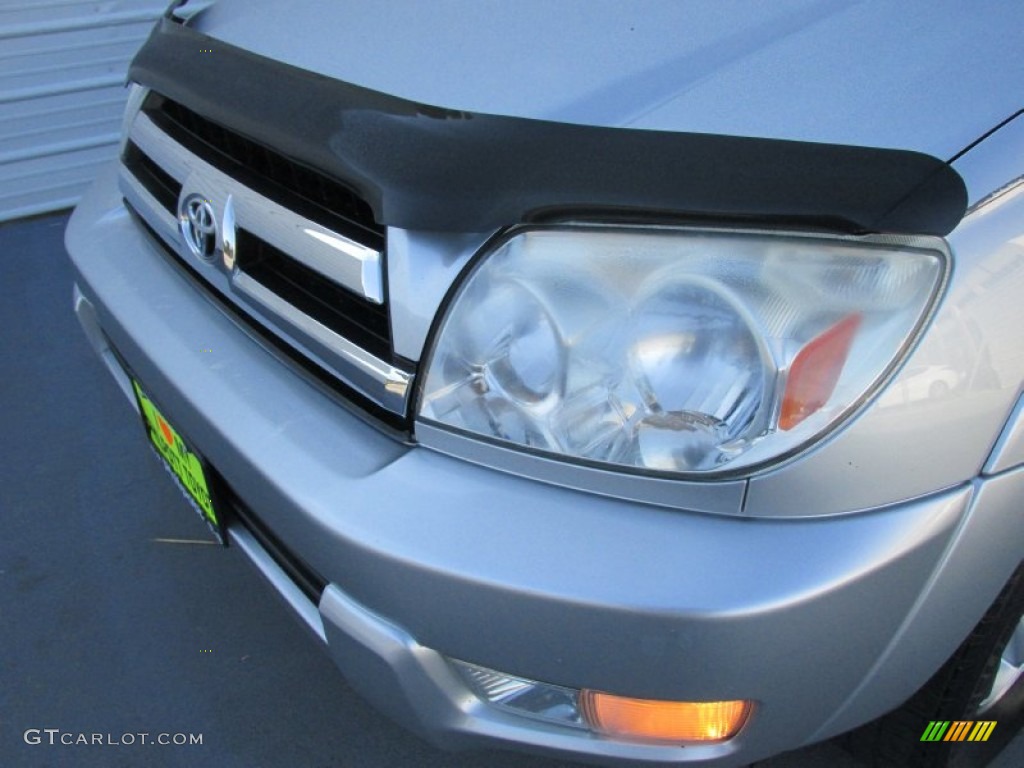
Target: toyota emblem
{"points": [[199, 226]]}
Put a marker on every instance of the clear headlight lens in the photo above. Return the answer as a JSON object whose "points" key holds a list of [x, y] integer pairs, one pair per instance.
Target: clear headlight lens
{"points": [[667, 349]]}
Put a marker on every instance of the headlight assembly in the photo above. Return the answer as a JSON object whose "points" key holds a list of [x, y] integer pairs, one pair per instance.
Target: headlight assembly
{"points": [[673, 350]]}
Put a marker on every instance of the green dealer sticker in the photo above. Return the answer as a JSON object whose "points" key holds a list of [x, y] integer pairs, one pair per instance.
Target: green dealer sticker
{"points": [[184, 463]]}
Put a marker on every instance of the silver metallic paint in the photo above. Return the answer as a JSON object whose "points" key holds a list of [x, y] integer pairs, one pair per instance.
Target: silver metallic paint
{"points": [[279, 580], [1009, 450], [550, 583], [722, 497], [931, 78], [899, 449], [421, 267], [979, 560], [417, 686]]}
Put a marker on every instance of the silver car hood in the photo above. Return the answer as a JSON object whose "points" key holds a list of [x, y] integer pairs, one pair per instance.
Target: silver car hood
{"points": [[889, 75]]}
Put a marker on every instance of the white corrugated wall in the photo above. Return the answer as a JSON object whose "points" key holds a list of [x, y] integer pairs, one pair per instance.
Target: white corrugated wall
{"points": [[62, 70]]}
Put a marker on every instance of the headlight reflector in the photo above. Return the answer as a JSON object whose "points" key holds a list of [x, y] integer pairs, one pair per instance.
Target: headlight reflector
{"points": [[669, 349]]}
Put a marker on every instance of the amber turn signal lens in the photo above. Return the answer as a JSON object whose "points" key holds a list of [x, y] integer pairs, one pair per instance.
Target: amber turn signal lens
{"points": [[815, 371], [677, 721]]}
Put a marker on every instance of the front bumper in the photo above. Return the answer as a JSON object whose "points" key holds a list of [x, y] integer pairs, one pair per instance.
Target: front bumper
{"points": [[824, 622]]}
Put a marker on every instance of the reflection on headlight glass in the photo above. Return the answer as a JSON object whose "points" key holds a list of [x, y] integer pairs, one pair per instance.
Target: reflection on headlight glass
{"points": [[671, 350]]}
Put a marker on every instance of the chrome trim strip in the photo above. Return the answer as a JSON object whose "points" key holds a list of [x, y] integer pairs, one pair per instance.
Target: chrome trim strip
{"points": [[86, 314], [322, 250], [380, 381], [279, 580], [159, 218], [228, 235], [723, 497], [338, 258]]}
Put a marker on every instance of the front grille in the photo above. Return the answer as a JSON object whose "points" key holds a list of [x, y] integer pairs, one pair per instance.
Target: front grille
{"points": [[299, 188], [298, 255], [358, 321], [165, 188], [385, 421]]}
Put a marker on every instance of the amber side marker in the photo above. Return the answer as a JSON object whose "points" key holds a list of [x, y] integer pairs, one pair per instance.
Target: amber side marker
{"points": [[815, 371]]}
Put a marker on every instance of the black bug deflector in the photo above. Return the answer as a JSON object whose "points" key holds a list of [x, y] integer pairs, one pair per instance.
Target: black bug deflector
{"points": [[425, 167]]}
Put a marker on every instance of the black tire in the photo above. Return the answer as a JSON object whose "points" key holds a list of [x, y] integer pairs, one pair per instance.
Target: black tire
{"points": [[954, 693]]}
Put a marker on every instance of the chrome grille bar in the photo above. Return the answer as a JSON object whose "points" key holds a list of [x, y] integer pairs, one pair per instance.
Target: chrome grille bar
{"points": [[339, 258], [238, 209]]}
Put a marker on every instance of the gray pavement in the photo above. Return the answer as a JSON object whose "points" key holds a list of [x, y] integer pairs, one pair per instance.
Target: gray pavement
{"points": [[114, 621]]}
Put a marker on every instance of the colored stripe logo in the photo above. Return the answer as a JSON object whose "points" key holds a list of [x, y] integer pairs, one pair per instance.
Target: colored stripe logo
{"points": [[958, 730]]}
